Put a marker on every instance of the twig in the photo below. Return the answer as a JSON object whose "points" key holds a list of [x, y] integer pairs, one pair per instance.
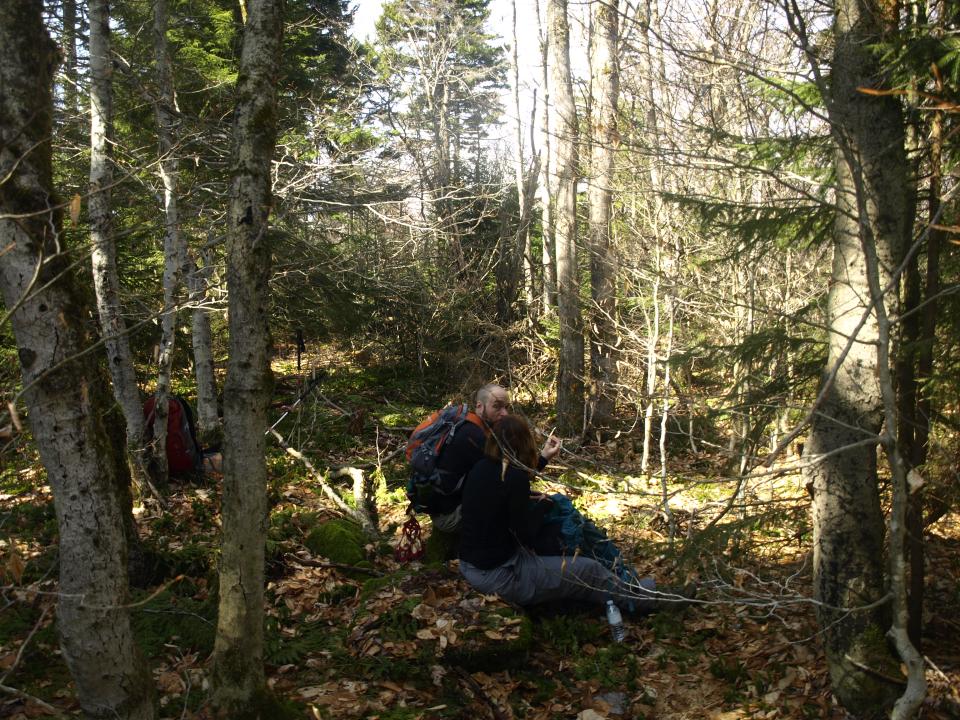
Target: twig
{"points": [[873, 671], [27, 696], [307, 562], [937, 670], [23, 646]]}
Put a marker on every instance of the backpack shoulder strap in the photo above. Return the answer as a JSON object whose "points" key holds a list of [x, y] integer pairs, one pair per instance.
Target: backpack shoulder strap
{"points": [[477, 420]]}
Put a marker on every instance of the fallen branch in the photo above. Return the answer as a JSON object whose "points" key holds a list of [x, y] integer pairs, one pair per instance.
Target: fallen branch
{"points": [[30, 698], [308, 562], [327, 490]]}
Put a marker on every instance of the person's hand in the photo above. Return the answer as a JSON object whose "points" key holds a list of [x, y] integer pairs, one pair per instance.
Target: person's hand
{"points": [[550, 448]]}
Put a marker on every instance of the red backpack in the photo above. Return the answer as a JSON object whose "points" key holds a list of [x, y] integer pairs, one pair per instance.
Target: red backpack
{"points": [[183, 450]]}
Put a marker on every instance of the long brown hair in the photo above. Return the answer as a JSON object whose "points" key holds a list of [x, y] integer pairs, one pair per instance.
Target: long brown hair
{"points": [[512, 440]]}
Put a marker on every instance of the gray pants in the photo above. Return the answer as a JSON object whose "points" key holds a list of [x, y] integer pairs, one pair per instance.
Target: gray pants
{"points": [[528, 579]]}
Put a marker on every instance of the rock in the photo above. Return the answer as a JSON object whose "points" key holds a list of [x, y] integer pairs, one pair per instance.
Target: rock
{"points": [[338, 540]]}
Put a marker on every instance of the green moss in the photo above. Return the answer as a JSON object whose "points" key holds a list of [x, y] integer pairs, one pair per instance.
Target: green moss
{"points": [[440, 547], [567, 633], [477, 653], [339, 541], [170, 619], [374, 585], [264, 705], [16, 621], [282, 649], [614, 666]]}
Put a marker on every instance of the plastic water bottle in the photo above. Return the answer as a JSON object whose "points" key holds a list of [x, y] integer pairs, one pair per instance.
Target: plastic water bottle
{"points": [[615, 619]]}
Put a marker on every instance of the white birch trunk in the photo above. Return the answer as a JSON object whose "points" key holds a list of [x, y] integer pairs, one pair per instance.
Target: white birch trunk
{"points": [[66, 397], [103, 250]]}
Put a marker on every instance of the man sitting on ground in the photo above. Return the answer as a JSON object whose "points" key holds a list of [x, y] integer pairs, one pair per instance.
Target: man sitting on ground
{"points": [[466, 449]]}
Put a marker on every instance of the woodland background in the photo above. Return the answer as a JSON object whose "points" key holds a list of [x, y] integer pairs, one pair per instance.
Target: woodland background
{"points": [[712, 245]]}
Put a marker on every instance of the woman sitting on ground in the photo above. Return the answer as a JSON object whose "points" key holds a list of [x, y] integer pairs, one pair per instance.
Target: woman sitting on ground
{"points": [[498, 529]]}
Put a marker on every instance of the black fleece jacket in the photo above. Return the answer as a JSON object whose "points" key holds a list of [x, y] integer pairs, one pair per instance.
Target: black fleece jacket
{"points": [[496, 514]]}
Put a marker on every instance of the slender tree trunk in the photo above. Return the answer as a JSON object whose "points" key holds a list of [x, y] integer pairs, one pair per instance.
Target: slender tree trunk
{"points": [[208, 420], [603, 263], [174, 248], [664, 417], [508, 269], [653, 341], [67, 402], [69, 45], [238, 677], [924, 405], [849, 578], [549, 244], [103, 248], [915, 692], [525, 179], [570, 386]]}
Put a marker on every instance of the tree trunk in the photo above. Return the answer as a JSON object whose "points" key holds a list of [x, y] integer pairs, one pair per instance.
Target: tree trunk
{"points": [[238, 678], [65, 392], [848, 521], [508, 270], [208, 419], [603, 281], [922, 412], [103, 250], [570, 398], [525, 179], [69, 44], [174, 248], [549, 244]]}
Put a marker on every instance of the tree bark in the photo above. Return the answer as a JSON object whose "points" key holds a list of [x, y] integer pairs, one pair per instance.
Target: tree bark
{"points": [[922, 406], [603, 263], [174, 248], [549, 244], [525, 179], [238, 677], [570, 386], [201, 336], [65, 391], [103, 250], [69, 45], [849, 577]]}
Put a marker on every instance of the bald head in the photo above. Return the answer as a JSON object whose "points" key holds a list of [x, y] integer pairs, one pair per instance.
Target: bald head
{"points": [[493, 402]]}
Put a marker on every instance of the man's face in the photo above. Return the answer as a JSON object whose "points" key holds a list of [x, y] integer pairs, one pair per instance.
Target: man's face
{"points": [[496, 406]]}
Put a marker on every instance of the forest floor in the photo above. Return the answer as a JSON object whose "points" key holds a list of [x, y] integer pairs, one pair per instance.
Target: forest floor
{"points": [[352, 632]]}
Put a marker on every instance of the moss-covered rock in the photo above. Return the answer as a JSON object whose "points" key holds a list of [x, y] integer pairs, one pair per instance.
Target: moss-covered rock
{"points": [[339, 541]]}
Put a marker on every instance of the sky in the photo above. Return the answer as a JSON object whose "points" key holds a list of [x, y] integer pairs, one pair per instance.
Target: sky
{"points": [[368, 12]]}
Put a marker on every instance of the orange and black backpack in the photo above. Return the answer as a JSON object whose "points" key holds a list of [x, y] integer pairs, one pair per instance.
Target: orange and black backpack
{"points": [[424, 447]]}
